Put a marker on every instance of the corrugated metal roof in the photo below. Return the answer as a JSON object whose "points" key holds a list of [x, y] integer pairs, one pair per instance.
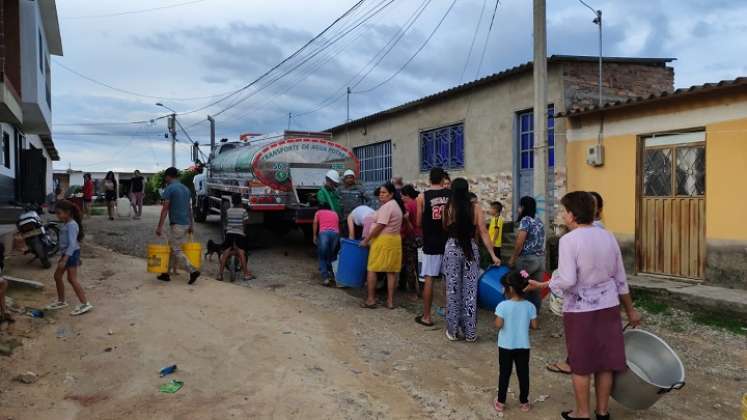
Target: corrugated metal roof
{"points": [[663, 96], [654, 61]]}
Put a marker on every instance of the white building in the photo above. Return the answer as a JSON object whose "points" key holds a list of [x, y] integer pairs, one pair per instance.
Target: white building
{"points": [[31, 34]]}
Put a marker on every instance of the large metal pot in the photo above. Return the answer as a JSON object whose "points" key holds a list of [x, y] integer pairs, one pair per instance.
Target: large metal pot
{"points": [[653, 370]]}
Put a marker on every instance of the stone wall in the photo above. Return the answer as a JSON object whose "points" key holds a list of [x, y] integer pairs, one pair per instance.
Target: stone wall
{"points": [[726, 264], [619, 81]]}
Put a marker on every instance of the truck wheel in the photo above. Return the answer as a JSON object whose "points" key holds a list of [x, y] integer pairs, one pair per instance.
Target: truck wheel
{"points": [[308, 234]]}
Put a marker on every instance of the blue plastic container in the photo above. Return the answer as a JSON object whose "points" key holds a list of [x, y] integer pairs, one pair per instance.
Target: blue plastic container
{"points": [[490, 289], [351, 270]]}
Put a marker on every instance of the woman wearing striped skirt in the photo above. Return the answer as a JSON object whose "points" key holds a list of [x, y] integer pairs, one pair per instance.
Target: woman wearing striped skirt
{"points": [[386, 245], [591, 278]]}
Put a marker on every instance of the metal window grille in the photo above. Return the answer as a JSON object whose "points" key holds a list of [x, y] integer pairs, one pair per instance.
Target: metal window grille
{"points": [[376, 162], [442, 148], [526, 138]]}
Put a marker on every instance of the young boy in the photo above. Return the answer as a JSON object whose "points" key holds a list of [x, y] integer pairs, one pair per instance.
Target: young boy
{"points": [[495, 229], [235, 243]]}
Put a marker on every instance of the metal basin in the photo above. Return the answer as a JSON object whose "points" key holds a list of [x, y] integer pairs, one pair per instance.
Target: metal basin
{"points": [[654, 369]]}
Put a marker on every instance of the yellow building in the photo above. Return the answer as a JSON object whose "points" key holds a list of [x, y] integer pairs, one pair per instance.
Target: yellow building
{"points": [[672, 178]]}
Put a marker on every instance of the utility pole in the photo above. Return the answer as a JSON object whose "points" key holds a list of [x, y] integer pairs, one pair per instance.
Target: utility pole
{"points": [[212, 134], [598, 21], [290, 118], [540, 111], [347, 118], [172, 130]]}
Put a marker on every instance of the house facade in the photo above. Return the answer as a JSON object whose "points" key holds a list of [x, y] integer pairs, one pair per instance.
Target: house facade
{"points": [[671, 179], [66, 178], [29, 35], [483, 130]]}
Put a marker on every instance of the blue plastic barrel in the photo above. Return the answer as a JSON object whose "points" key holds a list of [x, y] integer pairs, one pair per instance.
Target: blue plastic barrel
{"points": [[490, 289], [351, 270]]}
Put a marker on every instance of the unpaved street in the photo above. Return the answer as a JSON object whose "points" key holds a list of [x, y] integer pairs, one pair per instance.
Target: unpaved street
{"points": [[284, 347]]}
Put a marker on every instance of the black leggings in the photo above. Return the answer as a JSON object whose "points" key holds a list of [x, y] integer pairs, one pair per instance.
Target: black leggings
{"points": [[506, 360]]}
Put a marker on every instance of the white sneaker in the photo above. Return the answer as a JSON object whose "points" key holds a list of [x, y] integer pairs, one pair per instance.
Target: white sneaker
{"points": [[55, 306], [450, 337], [81, 309]]}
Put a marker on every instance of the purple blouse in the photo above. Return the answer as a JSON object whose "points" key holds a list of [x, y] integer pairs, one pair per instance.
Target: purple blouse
{"points": [[590, 274]]}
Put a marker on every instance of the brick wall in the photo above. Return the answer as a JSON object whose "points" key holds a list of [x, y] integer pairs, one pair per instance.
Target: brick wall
{"points": [[619, 81]]}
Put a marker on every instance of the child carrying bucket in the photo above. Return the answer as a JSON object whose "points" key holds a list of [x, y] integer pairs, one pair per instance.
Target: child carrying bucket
{"points": [[70, 236], [513, 318]]}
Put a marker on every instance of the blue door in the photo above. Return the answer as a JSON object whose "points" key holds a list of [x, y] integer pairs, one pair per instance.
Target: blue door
{"points": [[525, 146]]}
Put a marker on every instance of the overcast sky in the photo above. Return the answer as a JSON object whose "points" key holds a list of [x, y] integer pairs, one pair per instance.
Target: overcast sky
{"points": [[186, 54]]}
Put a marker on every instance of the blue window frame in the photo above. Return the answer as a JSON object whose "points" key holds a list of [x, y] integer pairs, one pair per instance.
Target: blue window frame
{"points": [[442, 148], [526, 138]]}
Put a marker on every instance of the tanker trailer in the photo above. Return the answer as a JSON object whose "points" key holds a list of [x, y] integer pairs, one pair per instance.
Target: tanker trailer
{"points": [[275, 175]]}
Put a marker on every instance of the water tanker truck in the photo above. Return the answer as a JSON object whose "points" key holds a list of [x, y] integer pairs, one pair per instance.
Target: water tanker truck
{"points": [[275, 175]]}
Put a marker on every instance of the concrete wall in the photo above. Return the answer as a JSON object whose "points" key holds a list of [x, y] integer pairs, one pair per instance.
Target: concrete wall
{"points": [[37, 112], [724, 118]]}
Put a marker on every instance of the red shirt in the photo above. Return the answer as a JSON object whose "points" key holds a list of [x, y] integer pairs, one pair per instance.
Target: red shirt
{"points": [[88, 190], [411, 207]]}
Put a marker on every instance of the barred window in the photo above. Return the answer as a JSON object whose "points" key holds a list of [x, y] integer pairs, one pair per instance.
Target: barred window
{"points": [[442, 148], [376, 162]]}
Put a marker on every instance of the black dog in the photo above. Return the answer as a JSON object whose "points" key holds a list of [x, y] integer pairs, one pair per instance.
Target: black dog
{"points": [[213, 248]]}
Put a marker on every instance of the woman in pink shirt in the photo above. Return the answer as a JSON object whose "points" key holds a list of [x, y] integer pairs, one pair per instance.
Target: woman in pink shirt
{"points": [[386, 245], [326, 230], [591, 279]]}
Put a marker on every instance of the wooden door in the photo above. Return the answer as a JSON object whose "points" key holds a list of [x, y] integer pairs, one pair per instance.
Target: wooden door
{"points": [[671, 224]]}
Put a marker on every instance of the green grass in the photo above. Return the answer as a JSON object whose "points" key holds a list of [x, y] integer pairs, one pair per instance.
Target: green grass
{"points": [[98, 211], [649, 303], [720, 321]]}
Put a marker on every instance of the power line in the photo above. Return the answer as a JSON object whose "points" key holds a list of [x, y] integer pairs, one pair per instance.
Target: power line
{"points": [[134, 12], [487, 40], [285, 60], [129, 92], [474, 37], [385, 81], [239, 101]]}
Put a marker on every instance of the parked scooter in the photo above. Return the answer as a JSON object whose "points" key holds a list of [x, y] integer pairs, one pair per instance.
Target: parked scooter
{"points": [[41, 239]]}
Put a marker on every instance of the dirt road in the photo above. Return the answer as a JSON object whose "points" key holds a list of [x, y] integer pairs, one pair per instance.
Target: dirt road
{"points": [[284, 347]]}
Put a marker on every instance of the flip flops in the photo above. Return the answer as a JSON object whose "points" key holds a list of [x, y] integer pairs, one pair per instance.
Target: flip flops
{"points": [[365, 305], [419, 320], [555, 368]]}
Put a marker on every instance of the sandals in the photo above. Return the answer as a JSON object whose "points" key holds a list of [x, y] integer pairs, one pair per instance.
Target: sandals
{"points": [[567, 416], [555, 368], [419, 320], [365, 305], [499, 406]]}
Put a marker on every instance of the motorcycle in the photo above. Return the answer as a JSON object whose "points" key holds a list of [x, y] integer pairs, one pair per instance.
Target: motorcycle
{"points": [[41, 239]]}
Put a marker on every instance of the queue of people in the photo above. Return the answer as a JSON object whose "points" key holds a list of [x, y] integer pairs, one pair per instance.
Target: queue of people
{"points": [[446, 222]]}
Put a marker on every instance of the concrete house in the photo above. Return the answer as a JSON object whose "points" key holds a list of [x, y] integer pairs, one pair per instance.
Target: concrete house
{"points": [[671, 179], [482, 130], [29, 34]]}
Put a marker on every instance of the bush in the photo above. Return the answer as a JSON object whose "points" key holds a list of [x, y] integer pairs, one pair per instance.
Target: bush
{"points": [[156, 182]]}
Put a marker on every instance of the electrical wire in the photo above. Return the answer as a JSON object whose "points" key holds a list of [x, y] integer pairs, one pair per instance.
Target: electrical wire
{"points": [[393, 75], [474, 37], [278, 65], [133, 12], [241, 100], [129, 92], [487, 40]]}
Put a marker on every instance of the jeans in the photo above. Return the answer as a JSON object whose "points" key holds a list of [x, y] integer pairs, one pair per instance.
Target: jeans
{"points": [[535, 266], [506, 359], [326, 245]]}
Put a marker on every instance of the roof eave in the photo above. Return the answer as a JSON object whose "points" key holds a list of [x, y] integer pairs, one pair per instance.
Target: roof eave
{"points": [[51, 23]]}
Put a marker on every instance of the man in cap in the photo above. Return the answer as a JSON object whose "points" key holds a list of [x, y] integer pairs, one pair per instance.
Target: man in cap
{"points": [[328, 193], [352, 195]]}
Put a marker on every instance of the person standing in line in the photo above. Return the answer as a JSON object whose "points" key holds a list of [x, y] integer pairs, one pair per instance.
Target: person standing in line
{"points": [[513, 318], [352, 195], [87, 194], [398, 183], [410, 237], [529, 252], [386, 245], [70, 236], [592, 281], [464, 223], [328, 193], [495, 229], [110, 193], [177, 205], [430, 208], [137, 192], [326, 230]]}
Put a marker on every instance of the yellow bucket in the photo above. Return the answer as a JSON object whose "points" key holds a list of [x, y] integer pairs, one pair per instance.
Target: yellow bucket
{"points": [[158, 258], [193, 251], [744, 406]]}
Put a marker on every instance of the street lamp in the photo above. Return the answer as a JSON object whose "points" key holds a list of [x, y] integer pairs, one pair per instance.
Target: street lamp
{"points": [[597, 21], [172, 130]]}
